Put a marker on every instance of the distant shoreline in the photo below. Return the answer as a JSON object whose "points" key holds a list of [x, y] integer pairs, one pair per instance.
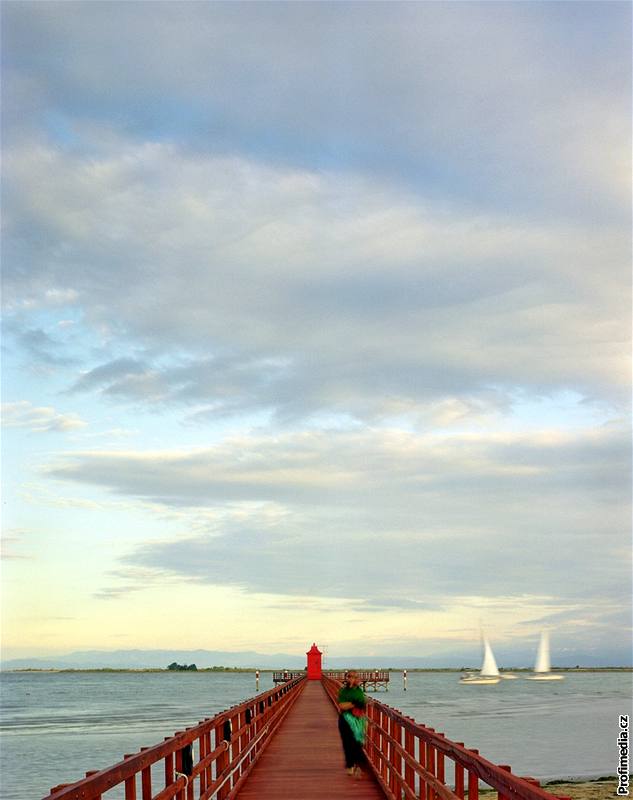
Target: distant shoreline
{"points": [[268, 670]]}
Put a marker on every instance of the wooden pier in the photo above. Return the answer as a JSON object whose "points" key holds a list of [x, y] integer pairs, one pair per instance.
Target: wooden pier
{"points": [[283, 744], [304, 762]]}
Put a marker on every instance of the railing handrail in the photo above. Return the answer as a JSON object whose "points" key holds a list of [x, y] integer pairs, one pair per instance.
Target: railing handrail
{"points": [[100, 781], [508, 785]]}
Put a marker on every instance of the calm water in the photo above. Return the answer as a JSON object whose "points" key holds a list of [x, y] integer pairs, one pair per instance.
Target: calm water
{"points": [[57, 726]]}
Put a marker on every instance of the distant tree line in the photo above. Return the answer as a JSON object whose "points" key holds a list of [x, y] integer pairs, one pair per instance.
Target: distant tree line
{"points": [[175, 667]]}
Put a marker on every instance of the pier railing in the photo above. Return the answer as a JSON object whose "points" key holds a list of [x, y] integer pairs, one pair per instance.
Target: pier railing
{"points": [[209, 761], [414, 762]]}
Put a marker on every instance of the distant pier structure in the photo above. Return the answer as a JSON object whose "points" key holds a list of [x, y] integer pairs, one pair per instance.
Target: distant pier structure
{"points": [[283, 675], [370, 680]]}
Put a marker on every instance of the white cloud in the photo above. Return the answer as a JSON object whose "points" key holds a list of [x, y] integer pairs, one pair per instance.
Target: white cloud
{"points": [[39, 419], [304, 464], [447, 515], [509, 103], [307, 292]]}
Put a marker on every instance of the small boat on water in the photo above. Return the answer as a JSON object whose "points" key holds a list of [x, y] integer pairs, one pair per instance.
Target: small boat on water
{"points": [[542, 667], [489, 673], [508, 676]]}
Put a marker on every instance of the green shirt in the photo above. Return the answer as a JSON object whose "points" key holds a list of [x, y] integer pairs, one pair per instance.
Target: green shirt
{"points": [[352, 694]]}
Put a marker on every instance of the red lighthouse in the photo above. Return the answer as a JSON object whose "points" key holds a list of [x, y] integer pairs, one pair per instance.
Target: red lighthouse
{"points": [[314, 663]]}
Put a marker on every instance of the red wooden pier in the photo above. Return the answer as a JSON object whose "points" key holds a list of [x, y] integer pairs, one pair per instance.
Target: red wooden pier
{"points": [[283, 744]]}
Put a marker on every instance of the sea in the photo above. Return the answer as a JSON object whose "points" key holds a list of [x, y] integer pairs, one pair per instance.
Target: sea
{"points": [[57, 726]]}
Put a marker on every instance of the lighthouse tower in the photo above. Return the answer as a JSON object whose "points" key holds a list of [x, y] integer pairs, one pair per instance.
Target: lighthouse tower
{"points": [[314, 663]]}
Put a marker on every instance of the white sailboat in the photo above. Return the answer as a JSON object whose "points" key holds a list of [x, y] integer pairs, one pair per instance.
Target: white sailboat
{"points": [[542, 666], [489, 672]]}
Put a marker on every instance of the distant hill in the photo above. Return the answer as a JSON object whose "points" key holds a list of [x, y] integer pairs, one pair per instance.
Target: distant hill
{"points": [[148, 659]]}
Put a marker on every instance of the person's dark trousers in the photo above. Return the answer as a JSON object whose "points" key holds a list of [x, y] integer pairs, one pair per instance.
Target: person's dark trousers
{"points": [[354, 754]]}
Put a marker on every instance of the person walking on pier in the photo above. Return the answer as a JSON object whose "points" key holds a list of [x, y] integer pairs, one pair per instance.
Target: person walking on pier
{"points": [[352, 722]]}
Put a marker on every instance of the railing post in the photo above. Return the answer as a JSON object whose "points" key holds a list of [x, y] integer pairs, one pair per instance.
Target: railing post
{"points": [[409, 747], [190, 783], [507, 768], [422, 763], [393, 781], [383, 748], [181, 792], [375, 737], [249, 721], [398, 732], [130, 783], [146, 781], [459, 776], [371, 734], [240, 721], [440, 764], [202, 746], [224, 759], [430, 765], [169, 767], [234, 748], [473, 782], [88, 774]]}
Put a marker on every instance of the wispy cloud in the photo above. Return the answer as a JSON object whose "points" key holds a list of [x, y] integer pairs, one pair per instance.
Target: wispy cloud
{"points": [[279, 289], [11, 544], [342, 498], [39, 419]]}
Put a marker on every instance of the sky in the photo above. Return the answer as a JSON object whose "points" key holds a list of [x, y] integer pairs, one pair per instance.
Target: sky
{"points": [[316, 327]]}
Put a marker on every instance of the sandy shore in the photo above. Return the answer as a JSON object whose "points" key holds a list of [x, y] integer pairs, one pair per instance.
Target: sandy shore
{"points": [[602, 789], [586, 790]]}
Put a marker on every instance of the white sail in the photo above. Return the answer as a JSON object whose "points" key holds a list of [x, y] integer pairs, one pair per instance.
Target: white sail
{"points": [[542, 666], [489, 671], [542, 655], [489, 665]]}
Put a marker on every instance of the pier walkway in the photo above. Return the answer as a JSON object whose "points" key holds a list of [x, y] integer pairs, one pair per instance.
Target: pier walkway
{"points": [[283, 744], [305, 759]]}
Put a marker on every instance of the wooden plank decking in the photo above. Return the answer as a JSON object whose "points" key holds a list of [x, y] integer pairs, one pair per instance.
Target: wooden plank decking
{"points": [[304, 760]]}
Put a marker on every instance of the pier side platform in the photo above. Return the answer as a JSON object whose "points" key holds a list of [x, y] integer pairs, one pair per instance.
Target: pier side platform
{"points": [[305, 758]]}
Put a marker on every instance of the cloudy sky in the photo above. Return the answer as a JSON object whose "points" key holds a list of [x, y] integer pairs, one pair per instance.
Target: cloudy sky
{"points": [[316, 326]]}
